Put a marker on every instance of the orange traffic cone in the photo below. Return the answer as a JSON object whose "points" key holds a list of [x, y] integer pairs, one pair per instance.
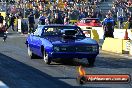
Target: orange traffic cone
{"points": [[126, 35]]}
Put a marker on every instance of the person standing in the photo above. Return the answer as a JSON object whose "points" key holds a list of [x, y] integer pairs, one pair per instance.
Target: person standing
{"points": [[42, 19], [120, 19], [31, 22], [57, 20], [66, 20], [2, 28], [108, 26], [7, 19], [1, 20], [47, 20], [129, 22], [81, 15], [11, 22]]}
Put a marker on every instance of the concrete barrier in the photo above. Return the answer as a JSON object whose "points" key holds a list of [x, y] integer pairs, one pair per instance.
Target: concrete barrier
{"points": [[24, 22], [73, 21], [109, 46], [87, 33], [15, 22], [19, 25], [91, 33], [116, 45], [3, 14], [100, 31], [85, 27], [94, 35], [24, 26], [118, 33], [130, 47], [126, 46]]}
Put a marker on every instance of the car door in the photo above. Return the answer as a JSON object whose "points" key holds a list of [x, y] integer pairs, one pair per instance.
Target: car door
{"points": [[36, 42], [30, 42]]}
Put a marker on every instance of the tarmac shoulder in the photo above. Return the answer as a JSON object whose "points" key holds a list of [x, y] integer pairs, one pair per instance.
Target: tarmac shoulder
{"points": [[126, 56]]}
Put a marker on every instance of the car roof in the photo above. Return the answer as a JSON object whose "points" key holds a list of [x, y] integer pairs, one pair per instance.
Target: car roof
{"points": [[56, 25], [90, 18]]}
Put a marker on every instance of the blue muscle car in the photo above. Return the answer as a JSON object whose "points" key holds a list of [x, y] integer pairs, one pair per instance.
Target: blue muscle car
{"points": [[61, 41]]}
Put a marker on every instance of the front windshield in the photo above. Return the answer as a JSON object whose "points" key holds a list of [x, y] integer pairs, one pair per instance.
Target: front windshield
{"points": [[59, 30]]}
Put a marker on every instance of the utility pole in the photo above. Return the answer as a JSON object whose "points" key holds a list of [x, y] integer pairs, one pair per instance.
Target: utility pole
{"points": [[6, 5], [24, 7]]}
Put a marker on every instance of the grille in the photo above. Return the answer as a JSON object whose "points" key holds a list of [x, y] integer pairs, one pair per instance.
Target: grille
{"points": [[76, 49]]}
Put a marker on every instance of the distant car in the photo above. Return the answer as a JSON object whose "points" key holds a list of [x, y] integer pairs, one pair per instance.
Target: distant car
{"points": [[93, 22], [61, 41]]}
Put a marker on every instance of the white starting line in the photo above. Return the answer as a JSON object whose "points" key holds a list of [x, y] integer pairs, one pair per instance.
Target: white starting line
{"points": [[16, 36]]}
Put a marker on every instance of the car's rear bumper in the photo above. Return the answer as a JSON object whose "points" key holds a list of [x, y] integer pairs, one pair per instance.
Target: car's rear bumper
{"points": [[72, 55]]}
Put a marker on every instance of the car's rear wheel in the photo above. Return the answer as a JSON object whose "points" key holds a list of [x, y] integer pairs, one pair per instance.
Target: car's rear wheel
{"points": [[30, 53], [46, 57], [91, 61]]}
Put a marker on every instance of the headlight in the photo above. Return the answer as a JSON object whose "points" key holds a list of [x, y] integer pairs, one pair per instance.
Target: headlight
{"points": [[95, 48], [56, 49]]}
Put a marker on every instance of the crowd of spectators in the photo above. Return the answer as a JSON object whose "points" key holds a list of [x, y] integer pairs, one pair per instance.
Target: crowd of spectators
{"points": [[73, 9], [122, 6]]}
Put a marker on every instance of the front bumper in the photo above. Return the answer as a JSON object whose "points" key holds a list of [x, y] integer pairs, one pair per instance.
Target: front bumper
{"points": [[73, 54]]}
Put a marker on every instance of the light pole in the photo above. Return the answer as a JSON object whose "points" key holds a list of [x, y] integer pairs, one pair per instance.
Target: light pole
{"points": [[24, 7]]}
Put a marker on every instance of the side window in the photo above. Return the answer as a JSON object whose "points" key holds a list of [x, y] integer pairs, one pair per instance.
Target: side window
{"points": [[51, 31], [87, 21], [48, 31]]}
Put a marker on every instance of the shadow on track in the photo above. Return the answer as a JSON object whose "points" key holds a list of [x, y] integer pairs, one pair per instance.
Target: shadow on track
{"points": [[70, 62], [19, 75], [67, 62]]}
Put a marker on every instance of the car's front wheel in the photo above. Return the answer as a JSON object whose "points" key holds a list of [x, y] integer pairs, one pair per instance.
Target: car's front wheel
{"points": [[91, 61], [46, 57], [30, 53]]}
